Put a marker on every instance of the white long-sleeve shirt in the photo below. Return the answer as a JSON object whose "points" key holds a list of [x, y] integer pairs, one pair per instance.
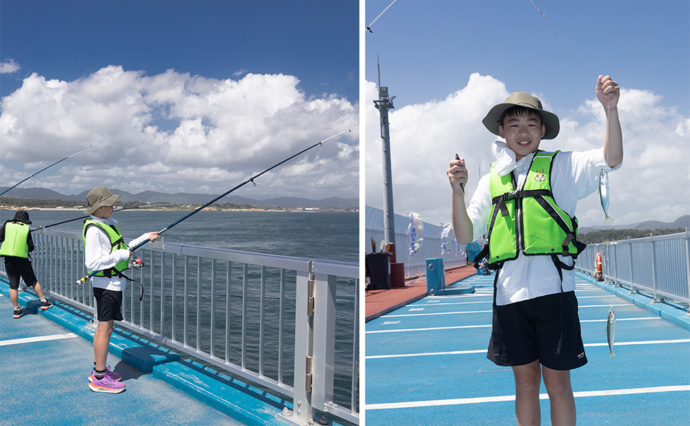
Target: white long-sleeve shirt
{"points": [[97, 255], [574, 175]]}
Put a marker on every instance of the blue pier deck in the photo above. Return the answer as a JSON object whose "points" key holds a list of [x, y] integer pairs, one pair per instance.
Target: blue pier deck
{"points": [[44, 368], [426, 363]]}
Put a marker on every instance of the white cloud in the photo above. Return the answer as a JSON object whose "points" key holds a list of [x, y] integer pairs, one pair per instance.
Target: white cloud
{"points": [[175, 132], [9, 67], [653, 183]]}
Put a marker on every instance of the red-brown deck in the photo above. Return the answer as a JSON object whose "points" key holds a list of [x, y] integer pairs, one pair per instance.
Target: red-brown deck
{"points": [[380, 302]]}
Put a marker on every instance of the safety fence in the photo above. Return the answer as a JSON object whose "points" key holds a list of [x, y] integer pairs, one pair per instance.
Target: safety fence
{"points": [[431, 247], [287, 324], [658, 265]]}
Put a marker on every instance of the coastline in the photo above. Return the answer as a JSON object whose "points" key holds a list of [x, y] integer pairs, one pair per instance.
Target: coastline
{"points": [[207, 209]]}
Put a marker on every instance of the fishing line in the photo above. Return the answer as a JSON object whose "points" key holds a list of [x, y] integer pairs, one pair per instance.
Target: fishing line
{"points": [[203, 223], [250, 179], [545, 17], [45, 168]]}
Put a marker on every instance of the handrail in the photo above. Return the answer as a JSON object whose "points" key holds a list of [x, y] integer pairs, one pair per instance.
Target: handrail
{"points": [[659, 265], [237, 311]]}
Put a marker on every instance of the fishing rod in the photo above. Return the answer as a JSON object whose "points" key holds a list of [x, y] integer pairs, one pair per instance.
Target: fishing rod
{"points": [[43, 169], [82, 217], [380, 14], [250, 179]]}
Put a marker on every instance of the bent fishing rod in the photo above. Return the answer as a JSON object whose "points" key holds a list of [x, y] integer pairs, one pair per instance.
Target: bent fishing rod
{"points": [[250, 179], [43, 169]]}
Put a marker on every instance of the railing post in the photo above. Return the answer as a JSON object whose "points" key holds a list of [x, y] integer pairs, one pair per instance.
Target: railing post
{"points": [[615, 265], [303, 412], [324, 340], [632, 280], [653, 244], [687, 263]]}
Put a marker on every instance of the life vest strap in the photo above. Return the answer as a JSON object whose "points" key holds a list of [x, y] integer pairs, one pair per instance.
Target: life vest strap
{"points": [[501, 199]]}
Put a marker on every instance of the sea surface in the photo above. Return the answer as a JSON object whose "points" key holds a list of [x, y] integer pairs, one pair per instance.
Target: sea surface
{"points": [[313, 235], [310, 235]]}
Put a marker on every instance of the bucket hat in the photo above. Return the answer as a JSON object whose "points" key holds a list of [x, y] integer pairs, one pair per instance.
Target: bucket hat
{"points": [[523, 99], [99, 197], [22, 216]]}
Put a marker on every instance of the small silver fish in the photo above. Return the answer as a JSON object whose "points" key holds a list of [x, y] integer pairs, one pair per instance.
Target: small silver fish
{"points": [[604, 192], [611, 330]]}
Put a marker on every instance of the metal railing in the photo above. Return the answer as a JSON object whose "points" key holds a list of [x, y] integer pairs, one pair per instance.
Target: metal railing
{"points": [[287, 324], [659, 265], [431, 245]]}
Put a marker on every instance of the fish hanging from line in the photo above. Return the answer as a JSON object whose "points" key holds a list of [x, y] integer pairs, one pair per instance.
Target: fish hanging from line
{"points": [[611, 330], [604, 192]]}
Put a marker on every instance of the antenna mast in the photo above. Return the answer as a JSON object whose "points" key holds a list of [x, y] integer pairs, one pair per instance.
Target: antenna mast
{"points": [[383, 104]]}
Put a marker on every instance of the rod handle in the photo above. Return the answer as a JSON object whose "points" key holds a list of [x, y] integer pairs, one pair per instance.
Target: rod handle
{"points": [[80, 281], [462, 186]]}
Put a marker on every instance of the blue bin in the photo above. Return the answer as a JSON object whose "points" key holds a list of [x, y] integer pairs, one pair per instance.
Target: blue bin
{"points": [[435, 276]]}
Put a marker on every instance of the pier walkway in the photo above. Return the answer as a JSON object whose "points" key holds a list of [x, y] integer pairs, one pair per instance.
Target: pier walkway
{"points": [[426, 362], [44, 368]]}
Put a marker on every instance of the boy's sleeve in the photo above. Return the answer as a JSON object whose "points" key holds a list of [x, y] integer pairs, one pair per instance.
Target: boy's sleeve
{"points": [[97, 256], [139, 240], [582, 171], [2, 232], [30, 242], [480, 207]]}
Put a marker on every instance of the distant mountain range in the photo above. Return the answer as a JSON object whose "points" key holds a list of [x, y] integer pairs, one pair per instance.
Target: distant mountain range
{"points": [[186, 198], [681, 222]]}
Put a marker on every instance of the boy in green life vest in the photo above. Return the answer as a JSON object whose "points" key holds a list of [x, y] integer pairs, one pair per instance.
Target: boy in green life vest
{"points": [[106, 252], [527, 205], [17, 243]]}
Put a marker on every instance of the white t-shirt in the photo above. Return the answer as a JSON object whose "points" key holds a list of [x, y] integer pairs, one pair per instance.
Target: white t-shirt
{"points": [[97, 256], [574, 175]]}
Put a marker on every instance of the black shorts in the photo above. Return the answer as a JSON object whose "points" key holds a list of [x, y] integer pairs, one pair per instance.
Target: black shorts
{"points": [[546, 329], [108, 304], [18, 267]]}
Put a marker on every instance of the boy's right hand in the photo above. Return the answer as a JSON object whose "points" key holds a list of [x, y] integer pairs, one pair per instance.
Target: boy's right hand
{"points": [[457, 175]]}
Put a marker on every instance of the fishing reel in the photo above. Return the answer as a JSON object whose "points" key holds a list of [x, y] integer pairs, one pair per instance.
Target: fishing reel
{"points": [[137, 263]]}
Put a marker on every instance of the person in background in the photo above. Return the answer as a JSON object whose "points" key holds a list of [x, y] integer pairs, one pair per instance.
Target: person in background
{"points": [[17, 243]]}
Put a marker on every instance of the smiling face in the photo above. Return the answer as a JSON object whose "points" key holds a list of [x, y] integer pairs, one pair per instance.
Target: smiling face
{"points": [[522, 131]]}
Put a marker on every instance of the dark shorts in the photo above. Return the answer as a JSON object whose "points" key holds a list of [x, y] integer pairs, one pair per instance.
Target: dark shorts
{"points": [[546, 329], [18, 267], [108, 304]]}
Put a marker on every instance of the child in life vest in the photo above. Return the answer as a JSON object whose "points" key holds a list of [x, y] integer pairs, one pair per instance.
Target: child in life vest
{"points": [[527, 205], [106, 252], [17, 243]]}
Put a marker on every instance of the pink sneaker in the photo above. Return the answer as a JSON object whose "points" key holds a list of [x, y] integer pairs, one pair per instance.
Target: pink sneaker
{"points": [[115, 376], [106, 384]]}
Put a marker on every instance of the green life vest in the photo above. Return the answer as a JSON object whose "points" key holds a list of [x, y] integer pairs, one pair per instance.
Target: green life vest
{"points": [[16, 240], [117, 242], [528, 220]]}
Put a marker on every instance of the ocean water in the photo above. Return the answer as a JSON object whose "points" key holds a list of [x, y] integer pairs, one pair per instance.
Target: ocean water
{"points": [[312, 235], [328, 236]]}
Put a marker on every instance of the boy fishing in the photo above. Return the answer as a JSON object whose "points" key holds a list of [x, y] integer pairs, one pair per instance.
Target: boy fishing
{"points": [[106, 252], [527, 204], [17, 243]]}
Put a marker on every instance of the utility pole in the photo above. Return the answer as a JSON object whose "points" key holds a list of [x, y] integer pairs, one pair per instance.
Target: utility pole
{"points": [[383, 104]]}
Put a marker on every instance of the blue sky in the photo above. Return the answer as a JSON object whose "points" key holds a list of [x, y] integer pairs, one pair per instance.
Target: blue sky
{"points": [[437, 44], [215, 39], [238, 85], [448, 62]]}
